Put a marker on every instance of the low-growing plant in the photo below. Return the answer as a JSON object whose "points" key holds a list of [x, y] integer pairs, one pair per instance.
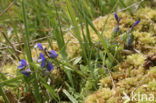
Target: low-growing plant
{"points": [[54, 77]]}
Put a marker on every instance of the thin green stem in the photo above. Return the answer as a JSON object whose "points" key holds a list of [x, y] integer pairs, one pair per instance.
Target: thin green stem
{"points": [[26, 34]]}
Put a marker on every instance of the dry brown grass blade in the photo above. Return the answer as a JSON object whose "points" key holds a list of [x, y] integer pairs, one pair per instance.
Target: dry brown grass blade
{"points": [[7, 8]]}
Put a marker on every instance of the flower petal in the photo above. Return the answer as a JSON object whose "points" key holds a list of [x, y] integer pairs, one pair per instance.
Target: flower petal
{"points": [[137, 22], [35, 46], [43, 63], [39, 45], [41, 56], [116, 29], [53, 54], [21, 66], [26, 72], [50, 66], [39, 60], [22, 63], [116, 17]]}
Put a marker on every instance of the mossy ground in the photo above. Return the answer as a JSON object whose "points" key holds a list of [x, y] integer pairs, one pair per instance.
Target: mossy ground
{"points": [[128, 75]]}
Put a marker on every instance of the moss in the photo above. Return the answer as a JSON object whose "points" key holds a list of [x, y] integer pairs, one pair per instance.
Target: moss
{"points": [[152, 85], [135, 59], [134, 72], [10, 69], [130, 74], [104, 93], [105, 82], [91, 99], [131, 81], [147, 39], [150, 13], [144, 37], [152, 72], [112, 100], [99, 96]]}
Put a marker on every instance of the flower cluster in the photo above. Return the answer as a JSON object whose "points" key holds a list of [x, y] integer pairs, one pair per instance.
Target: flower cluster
{"points": [[116, 29], [127, 37], [130, 36], [22, 67], [44, 57]]}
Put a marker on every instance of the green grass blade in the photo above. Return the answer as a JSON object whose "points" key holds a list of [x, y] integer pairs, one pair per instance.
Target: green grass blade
{"points": [[29, 57], [4, 95], [36, 90], [6, 82], [26, 34], [59, 35], [76, 28], [49, 89], [72, 99]]}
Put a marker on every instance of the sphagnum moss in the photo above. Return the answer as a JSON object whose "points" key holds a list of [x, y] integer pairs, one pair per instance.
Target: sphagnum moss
{"points": [[130, 75]]}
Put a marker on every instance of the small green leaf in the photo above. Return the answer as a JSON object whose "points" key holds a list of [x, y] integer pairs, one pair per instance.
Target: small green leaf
{"points": [[77, 60]]}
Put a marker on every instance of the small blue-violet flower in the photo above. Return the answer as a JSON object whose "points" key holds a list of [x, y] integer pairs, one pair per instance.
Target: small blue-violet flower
{"points": [[42, 60], [39, 45], [46, 63], [22, 63], [116, 29], [50, 66], [137, 22], [53, 54], [26, 72], [116, 17]]}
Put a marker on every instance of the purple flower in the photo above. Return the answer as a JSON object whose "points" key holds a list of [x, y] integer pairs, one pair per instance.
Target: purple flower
{"points": [[22, 63], [26, 72], [50, 66], [53, 54], [116, 17], [42, 60], [137, 22], [116, 29], [130, 40], [39, 45]]}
